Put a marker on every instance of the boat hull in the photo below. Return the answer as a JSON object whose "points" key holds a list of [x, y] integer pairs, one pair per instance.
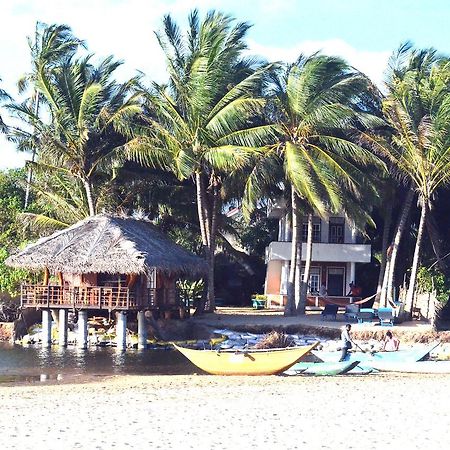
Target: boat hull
{"points": [[245, 362], [324, 368], [367, 358], [442, 367]]}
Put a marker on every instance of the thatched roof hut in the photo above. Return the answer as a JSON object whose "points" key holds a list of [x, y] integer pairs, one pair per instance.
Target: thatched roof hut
{"points": [[109, 244]]}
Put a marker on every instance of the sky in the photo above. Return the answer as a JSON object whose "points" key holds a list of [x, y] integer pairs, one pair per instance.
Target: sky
{"points": [[365, 32]]}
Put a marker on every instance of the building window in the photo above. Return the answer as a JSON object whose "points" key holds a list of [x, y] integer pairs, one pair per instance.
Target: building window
{"points": [[316, 230], [336, 230], [314, 280]]}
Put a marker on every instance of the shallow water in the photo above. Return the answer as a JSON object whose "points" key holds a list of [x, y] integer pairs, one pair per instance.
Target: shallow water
{"points": [[25, 364]]}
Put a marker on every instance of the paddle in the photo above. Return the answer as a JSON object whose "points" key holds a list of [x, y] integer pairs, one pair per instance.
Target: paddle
{"points": [[356, 345]]}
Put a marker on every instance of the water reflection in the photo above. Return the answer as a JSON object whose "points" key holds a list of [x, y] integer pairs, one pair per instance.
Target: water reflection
{"points": [[62, 362]]}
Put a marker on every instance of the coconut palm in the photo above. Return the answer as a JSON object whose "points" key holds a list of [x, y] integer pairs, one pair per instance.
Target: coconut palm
{"points": [[49, 47], [90, 119], [418, 111], [3, 96], [317, 102], [202, 122]]}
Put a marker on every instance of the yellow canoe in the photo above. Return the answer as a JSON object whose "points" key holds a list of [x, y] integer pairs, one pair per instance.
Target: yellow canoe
{"points": [[246, 362]]}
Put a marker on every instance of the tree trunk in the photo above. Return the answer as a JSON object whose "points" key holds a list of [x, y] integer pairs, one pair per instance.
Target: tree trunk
{"points": [[211, 305], [384, 268], [33, 155], [89, 196], [396, 242], [301, 307], [201, 207], [415, 265], [289, 309], [436, 242]]}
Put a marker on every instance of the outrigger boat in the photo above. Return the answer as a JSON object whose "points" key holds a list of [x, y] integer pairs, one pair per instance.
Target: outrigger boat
{"points": [[442, 367], [367, 358], [247, 361], [321, 368]]}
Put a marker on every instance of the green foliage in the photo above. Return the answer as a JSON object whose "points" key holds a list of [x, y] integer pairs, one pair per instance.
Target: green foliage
{"points": [[12, 234], [429, 280], [190, 291]]}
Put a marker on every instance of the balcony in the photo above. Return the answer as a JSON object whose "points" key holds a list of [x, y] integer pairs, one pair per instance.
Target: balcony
{"points": [[90, 297], [322, 252]]}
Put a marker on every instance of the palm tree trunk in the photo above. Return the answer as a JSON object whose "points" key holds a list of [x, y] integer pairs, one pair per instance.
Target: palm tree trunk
{"points": [[289, 309], [436, 242], [212, 249], [89, 196], [396, 242], [33, 155], [415, 264], [301, 307], [200, 190], [201, 202], [384, 248]]}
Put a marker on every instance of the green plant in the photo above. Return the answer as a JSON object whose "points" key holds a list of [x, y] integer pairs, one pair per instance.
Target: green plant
{"points": [[190, 291], [429, 280]]}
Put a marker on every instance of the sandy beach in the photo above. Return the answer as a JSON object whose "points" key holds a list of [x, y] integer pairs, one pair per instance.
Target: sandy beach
{"points": [[208, 412]]}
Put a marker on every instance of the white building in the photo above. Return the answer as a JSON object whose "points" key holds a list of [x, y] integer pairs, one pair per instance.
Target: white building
{"points": [[336, 251]]}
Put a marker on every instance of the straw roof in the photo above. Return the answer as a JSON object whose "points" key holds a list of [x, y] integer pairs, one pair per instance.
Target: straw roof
{"points": [[109, 244]]}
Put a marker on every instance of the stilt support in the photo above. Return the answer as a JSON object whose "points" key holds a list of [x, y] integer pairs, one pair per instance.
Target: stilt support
{"points": [[142, 330], [46, 328], [121, 330], [82, 339], [62, 327]]}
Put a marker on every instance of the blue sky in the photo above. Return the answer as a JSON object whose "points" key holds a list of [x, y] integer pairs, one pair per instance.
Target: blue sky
{"points": [[364, 32]]}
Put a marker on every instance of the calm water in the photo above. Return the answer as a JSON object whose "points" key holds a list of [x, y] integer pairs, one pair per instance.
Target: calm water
{"points": [[19, 363]]}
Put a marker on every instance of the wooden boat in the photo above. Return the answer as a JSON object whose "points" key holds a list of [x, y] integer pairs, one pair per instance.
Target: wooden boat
{"points": [[368, 357], [322, 368], [246, 362], [442, 367]]}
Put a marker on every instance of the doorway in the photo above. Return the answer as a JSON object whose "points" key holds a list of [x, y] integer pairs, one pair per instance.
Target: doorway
{"points": [[335, 281]]}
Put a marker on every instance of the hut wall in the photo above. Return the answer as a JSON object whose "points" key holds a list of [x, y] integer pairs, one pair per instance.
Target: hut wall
{"points": [[90, 279], [72, 279]]}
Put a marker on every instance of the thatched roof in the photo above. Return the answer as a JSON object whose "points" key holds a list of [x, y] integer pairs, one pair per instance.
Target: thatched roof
{"points": [[109, 244]]}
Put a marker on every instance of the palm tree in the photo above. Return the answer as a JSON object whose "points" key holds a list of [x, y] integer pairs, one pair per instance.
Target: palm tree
{"points": [[50, 46], [202, 124], [417, 110], [90, 120], [317, 102], [3, 96]]}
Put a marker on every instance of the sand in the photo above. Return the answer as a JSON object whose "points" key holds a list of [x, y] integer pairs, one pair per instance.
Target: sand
{"points": [[209, 412]]}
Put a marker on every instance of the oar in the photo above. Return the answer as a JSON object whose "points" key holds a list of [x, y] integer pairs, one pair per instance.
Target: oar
{"points": [[356, 345]]}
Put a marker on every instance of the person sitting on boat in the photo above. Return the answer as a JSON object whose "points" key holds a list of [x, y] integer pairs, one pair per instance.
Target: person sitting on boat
{"points": [[346, 341], [390, 343]]}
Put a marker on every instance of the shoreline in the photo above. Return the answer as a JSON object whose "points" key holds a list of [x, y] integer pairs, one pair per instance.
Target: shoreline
{"points": [[213, 412]]}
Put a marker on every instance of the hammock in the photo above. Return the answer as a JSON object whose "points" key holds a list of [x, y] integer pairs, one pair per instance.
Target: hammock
{"points": [[342, 302]]}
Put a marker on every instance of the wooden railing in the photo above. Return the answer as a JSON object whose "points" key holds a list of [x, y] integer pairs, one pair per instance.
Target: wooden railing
{"points": [[89, 297]]}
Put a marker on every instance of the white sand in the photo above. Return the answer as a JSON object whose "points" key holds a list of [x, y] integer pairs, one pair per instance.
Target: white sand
{"points": [[207, 412]]}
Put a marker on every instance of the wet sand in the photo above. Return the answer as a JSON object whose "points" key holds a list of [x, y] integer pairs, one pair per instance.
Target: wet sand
{"points": [[209, 412]]}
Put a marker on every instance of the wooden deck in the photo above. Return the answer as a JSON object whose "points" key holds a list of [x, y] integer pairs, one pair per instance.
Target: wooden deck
{"points": [[91, 297]]}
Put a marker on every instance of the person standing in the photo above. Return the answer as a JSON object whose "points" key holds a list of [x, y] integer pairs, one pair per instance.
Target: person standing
{"points": [[346, 341]]}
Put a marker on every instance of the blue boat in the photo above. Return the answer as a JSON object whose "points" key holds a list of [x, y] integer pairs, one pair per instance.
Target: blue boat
{"points": [[321, 368], [368, 357]]}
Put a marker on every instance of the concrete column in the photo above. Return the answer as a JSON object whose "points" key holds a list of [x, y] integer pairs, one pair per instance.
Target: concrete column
{"points": [[46, 328], [142, 329], [62, 327], [82, 338], [352, 272], [121, 330]]}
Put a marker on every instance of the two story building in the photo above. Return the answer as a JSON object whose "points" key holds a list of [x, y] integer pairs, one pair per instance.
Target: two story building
{"points": [[337, 248]]}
